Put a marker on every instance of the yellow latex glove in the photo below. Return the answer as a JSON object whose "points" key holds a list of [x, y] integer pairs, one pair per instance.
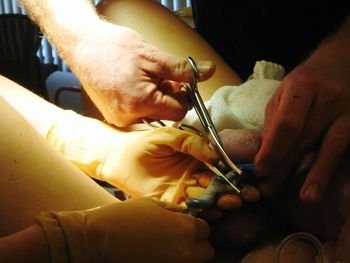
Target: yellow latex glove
{"points": [[137, 230], [157, 163]]}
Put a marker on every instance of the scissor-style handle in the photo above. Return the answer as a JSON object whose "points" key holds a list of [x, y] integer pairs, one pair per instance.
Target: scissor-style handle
{"points": [[205, 119]]}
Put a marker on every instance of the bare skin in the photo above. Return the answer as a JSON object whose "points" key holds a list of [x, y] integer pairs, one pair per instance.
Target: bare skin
{"points": [[127, 77], [317, 95], [331, 213]]}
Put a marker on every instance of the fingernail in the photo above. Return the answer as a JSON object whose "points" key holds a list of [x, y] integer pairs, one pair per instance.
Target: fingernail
{"points": [[204, 66], [311, 193]]}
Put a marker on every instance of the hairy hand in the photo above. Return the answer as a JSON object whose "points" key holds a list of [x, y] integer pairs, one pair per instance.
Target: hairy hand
{"points": [[309, 109], [128, 78]]}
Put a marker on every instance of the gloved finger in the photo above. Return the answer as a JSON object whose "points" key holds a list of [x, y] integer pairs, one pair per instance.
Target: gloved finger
{"points": [[171, 206], [204, 252], [202, 229], [332, 150], [204, 178], [229, 201], [196, 146], [194, 191], [185, 142]]}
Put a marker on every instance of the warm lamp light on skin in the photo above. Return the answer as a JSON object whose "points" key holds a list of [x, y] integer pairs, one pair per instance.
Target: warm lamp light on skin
{"points": [[121, 57], [162, 166]]}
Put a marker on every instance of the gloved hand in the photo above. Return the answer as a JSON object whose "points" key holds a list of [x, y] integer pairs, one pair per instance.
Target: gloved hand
{"points": [[136, 230], [156, 163]]}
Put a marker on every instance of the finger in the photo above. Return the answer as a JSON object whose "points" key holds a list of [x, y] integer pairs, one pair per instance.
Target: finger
{"points": [[179, 69], [305, 163], [189, 143], [204, 178], [170, 87], [202, 229], [204, 252], [332, 150], [250, 193], [163, 106], [229, 202], [186, 142], [171, 206], [283, 130], [272, 106], [319, 119], [194, 191]]}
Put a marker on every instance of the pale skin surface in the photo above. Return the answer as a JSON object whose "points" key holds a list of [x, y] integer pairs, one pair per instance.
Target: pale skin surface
{"points": [[27, 160], [126, 77], [30, 163]]}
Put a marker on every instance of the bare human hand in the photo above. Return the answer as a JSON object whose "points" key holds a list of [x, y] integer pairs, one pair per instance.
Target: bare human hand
{"points": [[309, 109], [128, 78]]}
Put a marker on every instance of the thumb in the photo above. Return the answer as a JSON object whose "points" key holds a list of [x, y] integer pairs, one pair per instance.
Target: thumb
{"points": [[179, 69], [183, 141], [196, 146], [171, 206]]}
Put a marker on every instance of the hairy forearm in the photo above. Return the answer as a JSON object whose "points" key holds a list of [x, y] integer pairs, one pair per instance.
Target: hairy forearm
{"points": [[28, 245], [62, 21]]}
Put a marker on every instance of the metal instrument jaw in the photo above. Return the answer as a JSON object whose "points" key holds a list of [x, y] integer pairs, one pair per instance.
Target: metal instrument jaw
{"points": [[228, 175], [225, 165]]}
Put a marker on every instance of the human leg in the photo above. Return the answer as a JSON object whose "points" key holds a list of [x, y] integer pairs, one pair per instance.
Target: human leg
{"points": [[35, 177]]}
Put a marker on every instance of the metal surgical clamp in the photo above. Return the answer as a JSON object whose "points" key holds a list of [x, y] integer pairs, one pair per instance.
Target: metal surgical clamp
{"points": [[209, 127], [228, 174]]}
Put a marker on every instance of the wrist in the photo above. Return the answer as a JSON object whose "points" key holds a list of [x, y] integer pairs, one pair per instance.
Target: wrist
{"points": [[62, 21], [86, 142]]}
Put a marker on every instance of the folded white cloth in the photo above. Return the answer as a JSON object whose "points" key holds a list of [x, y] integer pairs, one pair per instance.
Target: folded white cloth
{"points": [[243, 106]]}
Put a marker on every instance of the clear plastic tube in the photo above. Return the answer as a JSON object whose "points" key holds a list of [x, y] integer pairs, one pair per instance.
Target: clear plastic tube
{"points": [[319, 257]]}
